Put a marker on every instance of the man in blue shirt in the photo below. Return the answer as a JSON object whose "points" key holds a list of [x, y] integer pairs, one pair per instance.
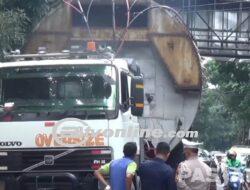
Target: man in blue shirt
{"points": [[156, 174], [121, 171]]}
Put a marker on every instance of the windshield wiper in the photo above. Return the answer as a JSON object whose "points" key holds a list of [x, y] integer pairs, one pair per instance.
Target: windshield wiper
{"points": [[90, 106], [75, 113]]}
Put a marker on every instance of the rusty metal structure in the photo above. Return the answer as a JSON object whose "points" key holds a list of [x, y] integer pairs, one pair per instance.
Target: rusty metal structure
{"points": [[221, 28]]}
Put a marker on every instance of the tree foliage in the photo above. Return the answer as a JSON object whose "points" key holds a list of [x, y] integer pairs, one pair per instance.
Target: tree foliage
{"points": [[233, 80], [34, 9], [12, 29], [215, 126], [224, 117], [17, 18]]}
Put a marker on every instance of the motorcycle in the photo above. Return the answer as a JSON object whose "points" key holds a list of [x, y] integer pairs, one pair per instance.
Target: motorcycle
{"points": [[247, 178], [236, 179]]}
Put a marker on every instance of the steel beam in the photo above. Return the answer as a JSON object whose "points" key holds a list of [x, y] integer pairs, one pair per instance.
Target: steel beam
{"points": [[237, 56], [211, 29], [223, 49], [224, 41]]}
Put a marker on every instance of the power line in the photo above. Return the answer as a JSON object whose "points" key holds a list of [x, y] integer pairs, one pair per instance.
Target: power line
{"points": [[82, 13]]}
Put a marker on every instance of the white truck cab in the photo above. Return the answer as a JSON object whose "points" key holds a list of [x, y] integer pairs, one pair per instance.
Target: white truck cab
{"points": [[44, 101]]}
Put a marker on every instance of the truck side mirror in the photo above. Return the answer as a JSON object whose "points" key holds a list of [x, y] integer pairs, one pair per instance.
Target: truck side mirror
{"points": [[137, 96]]}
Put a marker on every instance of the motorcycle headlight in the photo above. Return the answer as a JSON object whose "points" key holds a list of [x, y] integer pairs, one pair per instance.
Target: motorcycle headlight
{"points": [[234, 179], [235, 185]]}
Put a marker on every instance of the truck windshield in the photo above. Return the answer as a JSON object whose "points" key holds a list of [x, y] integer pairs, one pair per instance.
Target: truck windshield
{"points": [[55, 92]]}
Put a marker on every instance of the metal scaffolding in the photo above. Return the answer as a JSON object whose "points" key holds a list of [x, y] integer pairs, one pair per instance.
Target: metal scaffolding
{"points": [[221, 28]]}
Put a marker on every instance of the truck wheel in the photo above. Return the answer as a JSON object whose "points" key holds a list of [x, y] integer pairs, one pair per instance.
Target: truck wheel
{"points": [[176, 156]]}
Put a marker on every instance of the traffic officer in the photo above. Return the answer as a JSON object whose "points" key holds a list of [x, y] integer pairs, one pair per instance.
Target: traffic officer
{"points": [[193, 174], [121, 171]]}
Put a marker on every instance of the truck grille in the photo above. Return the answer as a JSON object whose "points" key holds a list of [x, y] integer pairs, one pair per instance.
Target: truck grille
{"points": [[54, 159]]}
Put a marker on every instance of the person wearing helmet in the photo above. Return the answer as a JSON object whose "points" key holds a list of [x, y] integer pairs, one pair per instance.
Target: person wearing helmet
{"points": [[232, 162]]}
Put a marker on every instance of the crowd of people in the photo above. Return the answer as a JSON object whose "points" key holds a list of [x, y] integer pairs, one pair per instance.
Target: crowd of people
{"points": [[155, 174]]}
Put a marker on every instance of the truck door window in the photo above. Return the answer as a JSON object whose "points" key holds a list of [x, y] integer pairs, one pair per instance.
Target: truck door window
{"points": [[124, 91]]}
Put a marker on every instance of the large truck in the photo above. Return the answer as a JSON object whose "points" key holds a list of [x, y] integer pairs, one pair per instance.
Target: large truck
{"points": [[50, 100]]}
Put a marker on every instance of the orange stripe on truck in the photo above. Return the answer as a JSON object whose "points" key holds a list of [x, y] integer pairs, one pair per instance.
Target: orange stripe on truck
{"points": [[139, 105], [139, 86]]}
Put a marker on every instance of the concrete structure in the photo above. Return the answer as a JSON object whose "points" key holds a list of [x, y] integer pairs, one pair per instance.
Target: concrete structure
{"points": [[158, 41]]}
